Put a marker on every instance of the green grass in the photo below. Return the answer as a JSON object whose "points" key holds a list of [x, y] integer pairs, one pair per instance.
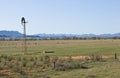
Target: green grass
{"points": [[63, 47], [98, 70], [108, 68]]}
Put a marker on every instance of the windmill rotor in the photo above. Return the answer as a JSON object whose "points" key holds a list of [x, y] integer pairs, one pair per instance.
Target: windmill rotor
{"points": [[23, 21]]}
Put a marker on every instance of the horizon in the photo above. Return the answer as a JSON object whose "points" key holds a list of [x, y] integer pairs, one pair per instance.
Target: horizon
{"points": [[60, 33], [61, 16]]}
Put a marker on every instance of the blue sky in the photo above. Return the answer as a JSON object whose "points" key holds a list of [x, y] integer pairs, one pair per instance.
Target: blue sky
{"points": [[61, 16]]}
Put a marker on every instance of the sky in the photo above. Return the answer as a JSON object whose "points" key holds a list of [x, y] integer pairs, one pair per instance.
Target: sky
{"points": [[61, 16]]}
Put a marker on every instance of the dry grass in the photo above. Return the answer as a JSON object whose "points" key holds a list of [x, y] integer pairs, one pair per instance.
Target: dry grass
{"points": [[63, 47], [108, 68]]}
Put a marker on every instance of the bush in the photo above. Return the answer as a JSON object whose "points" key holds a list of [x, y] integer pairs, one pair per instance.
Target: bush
{"points": [[24, 59], [10, 65], [34, 63], [62, 64], [1, 68], [18, 59], [17, 69], [41, 58], [96, 57], [24, 63], [47, 60], [4, 57], [3, 74], [9, 58], [31, 59], [54, 60]]}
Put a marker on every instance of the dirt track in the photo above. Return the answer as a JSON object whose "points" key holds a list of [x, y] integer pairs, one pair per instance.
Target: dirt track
{"points": [[85, 57]]}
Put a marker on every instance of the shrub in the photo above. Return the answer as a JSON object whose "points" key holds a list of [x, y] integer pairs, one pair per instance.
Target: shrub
{"points": [[3, 74], [17, 69], [18, 59], [24, 59], [10, 65], [96, 57], [4, 57], [47, 60], [54, 60], [31, 59], [41, 58], [36, 58], [62, 64], [34, 63], [1, 68], [24, 63], [0, 60], [9, 58]]}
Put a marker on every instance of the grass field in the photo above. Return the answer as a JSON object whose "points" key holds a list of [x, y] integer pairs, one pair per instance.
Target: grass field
{"points": [[63, 47], [34, 65]]}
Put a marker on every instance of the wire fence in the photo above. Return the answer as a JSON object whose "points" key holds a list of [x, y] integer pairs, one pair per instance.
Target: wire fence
{"points": [[17, 46]]}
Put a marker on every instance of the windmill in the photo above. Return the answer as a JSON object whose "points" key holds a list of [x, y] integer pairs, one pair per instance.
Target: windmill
{"points": [[23, 22]]}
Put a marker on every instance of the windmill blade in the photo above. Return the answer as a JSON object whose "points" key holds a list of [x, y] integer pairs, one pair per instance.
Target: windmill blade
{"points": [[22, 20]]}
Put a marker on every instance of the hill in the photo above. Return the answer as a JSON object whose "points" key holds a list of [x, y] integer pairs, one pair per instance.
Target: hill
{"points": [[5, 33], [16, 34]]}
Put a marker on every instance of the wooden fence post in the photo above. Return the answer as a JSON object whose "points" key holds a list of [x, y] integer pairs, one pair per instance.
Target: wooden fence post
{"points": [[115, 56]]}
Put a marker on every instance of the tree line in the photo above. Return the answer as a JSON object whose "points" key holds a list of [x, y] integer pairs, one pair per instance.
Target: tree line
{"points": [[64, 38]]}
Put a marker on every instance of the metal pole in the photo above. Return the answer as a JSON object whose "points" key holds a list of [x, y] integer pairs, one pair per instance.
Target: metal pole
{"points": [[25, 46]]}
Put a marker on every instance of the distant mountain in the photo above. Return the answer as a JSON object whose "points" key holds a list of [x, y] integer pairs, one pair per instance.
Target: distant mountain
{"points": [[110, 35], [5, 33], [77, 35], [16, 34]]}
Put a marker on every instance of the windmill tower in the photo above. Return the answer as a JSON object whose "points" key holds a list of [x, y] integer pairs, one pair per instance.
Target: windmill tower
{"points": [[23, 22]]}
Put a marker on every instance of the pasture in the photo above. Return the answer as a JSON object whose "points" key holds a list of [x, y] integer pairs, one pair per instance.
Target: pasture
{"points": [[42, 59], [63, 47]]}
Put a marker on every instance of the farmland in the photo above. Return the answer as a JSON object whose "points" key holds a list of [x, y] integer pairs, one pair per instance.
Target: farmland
{"points": [[41, 55], [63, 47]]}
